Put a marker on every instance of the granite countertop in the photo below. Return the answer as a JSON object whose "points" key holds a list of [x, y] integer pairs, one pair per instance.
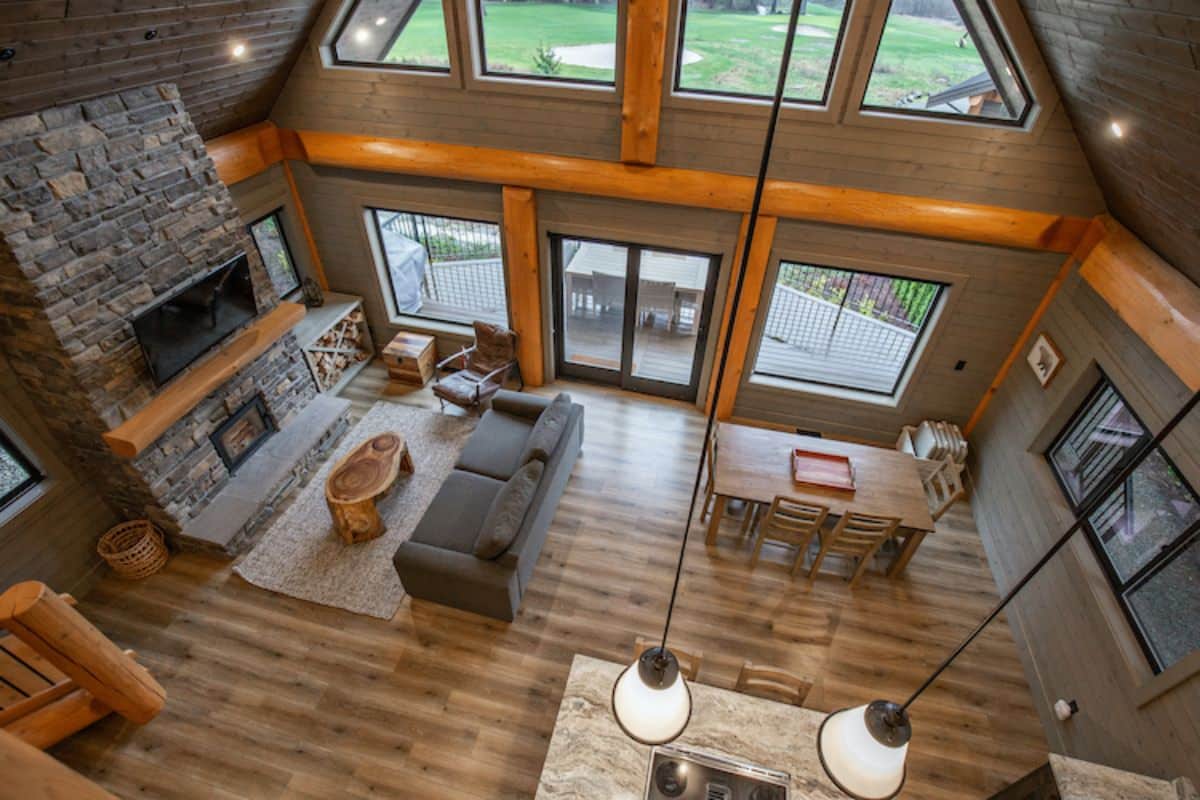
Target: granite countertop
{"points": [[1083, 780], [589, 756]]}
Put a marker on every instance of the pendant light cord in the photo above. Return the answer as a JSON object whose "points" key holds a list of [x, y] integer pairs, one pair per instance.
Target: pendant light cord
{"points": [[1085, 511], [735, 302]]}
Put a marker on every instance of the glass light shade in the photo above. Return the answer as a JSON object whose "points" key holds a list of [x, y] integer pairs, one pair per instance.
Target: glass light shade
{"points": [[651, 700], [863, 751]]}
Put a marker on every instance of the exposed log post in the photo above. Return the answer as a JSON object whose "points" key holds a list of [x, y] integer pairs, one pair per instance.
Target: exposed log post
{"points": [[61, 635], [743, 324], [313, 253], [523, 276], [645, 62], [30, 774]]}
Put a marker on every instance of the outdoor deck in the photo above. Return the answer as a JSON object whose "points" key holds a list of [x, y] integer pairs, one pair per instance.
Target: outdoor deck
{"points": [[804, 338]]}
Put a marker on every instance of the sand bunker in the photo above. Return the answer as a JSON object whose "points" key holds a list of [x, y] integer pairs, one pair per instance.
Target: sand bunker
{"points": [[806, 30], [603, 56]]}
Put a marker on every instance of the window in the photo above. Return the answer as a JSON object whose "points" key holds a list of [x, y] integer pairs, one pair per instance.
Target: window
{"points": [[400, 34], [276, 255], [946, 58], [560, 41], [837, 327], [732, 49], [1146, 531], [443, 268], [17, 472]]}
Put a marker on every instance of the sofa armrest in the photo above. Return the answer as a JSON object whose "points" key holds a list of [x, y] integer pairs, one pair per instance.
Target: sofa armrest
{"points": [[519, 404]]}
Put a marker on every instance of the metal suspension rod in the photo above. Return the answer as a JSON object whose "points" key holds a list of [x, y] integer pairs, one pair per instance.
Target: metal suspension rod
{"points": [[751, 226], [1106, 489]]}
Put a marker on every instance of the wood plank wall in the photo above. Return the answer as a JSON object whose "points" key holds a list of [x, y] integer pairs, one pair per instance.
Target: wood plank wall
{"points": [[53, 540], [1138, 64], [993, 292], [70, 51], [1075, 643]]}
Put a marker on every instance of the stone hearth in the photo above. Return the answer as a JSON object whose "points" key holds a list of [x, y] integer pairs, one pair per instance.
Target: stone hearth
{"points": [[106, 206]]}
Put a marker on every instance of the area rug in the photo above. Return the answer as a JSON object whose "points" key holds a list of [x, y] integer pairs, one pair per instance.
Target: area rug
{"points": [[301, 554]]}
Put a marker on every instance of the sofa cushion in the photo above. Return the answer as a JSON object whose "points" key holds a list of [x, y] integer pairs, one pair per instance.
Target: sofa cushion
{"points": [[454, 518], [495, 447], [548, 430], [507, 512]]}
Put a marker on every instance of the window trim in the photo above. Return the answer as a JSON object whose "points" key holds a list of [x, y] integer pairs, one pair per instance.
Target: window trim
{"points": [[277, 213], [679, 32], [1120, 589], [920, 342], [379, 253], [990, 16], [477, 46], [338, 19], [36, 476]]}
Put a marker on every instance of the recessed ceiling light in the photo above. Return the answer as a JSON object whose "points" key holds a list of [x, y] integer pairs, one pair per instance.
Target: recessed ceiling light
{"points": [[239, 50], [1116, 129], [380, 21], [362, 35], [150, 35], [7, 54]]}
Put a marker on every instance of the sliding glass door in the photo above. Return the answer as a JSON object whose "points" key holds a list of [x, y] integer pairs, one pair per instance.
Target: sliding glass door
{"points": [[631, 316]]}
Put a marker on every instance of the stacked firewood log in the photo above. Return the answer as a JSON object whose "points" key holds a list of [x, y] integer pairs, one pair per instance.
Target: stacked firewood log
{"points": [[338, 349]]}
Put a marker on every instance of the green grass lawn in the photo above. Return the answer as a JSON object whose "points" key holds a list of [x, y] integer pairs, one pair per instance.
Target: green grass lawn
{"points": [[738, 50]]}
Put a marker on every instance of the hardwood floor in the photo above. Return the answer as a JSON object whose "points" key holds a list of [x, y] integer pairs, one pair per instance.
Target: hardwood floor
{"points": [[271, 697]]}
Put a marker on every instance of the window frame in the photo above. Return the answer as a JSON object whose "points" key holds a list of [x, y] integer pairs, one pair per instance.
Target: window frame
{"points": [[343, 22], [923, 334], [1122, 588], [18, 454], [680, 32], [277, 213], [477, 44], [379, 252], [992, 16]]}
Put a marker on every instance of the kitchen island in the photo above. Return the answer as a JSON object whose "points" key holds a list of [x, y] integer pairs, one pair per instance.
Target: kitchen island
{"points": [[589, 756]]}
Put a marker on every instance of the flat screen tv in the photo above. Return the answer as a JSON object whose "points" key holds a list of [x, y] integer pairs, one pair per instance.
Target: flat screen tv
{"points": [[176, 331]]}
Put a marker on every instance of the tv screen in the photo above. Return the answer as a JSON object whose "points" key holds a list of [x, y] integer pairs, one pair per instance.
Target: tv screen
{"points": [[178, 330]]}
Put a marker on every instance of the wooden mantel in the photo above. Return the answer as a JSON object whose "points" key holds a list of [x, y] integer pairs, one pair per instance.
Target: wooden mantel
{"points": [[138, 432]]}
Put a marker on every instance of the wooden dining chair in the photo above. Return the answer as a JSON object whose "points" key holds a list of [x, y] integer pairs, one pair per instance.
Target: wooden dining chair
{"points": [[857, 536], [791, 523], [710, 480], [689, 663], [772, 683], [943, 487]]}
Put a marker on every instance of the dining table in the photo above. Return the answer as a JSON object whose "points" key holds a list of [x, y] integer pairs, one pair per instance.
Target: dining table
{"points": [[755, 464], [688, 273]]}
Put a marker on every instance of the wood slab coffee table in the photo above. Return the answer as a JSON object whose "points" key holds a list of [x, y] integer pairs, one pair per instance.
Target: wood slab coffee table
{"points": [[363, 476]]}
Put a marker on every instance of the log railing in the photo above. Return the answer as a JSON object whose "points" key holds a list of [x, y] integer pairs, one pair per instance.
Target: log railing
{"points": [[61, 673]]}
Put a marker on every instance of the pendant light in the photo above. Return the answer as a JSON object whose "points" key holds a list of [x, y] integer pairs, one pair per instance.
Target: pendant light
{"points": [[651, 700], [863, 749]]}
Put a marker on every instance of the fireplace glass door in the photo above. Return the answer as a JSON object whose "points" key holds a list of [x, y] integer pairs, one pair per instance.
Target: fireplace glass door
{"points": [[243, 433]]}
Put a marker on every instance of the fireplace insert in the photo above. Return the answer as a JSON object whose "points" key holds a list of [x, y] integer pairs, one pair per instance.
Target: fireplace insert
{"points": [[243, 433]]}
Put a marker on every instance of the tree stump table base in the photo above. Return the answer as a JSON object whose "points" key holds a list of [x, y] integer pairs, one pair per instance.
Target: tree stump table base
{"points": [[363, 476]]}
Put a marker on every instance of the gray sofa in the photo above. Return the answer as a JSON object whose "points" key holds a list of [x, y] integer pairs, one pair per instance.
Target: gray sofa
{"points": [[439, 563]]}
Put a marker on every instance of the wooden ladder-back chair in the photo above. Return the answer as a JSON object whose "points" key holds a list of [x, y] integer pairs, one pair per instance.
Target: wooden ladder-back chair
{"points": [[772, 683], [791, 523], [858, 536], [689, 662], [943, 487], [710, 475], [60, 673]]}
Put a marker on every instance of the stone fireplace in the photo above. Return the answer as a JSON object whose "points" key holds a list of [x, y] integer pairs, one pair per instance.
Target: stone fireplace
{"points": [[247, 430], [105, 207]]}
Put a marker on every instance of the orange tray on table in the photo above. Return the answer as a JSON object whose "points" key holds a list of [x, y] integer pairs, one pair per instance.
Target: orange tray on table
{"points": [[824, 470]]}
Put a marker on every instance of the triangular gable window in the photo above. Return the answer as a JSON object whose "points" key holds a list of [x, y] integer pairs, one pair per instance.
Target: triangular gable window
{"points": [[946, 58], [400, 34]]}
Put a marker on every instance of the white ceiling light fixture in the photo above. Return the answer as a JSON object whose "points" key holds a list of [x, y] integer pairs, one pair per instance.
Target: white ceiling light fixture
{"points": [[380, 22], [362, 36], [1116, 129], [238, 50]]}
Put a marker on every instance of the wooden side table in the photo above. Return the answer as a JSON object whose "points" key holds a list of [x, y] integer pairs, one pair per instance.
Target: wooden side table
{"points": [[410, 358]]}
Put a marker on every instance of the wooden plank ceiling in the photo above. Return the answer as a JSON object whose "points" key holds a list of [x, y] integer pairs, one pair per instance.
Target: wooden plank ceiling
{"points": [[1136, 62], [69, 50]]}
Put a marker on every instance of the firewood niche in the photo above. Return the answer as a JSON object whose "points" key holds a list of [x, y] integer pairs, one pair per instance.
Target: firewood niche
{"points": [[336, 341]]}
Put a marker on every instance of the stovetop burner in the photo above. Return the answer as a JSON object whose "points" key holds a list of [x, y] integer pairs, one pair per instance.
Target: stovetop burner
{"points": [[680, 773]]}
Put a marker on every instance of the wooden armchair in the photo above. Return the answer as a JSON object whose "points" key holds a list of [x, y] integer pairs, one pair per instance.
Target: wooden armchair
{"points": [[484, 366]]}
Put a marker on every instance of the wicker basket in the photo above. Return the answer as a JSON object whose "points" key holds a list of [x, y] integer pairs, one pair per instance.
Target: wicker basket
{"points": [[133, 549]]}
